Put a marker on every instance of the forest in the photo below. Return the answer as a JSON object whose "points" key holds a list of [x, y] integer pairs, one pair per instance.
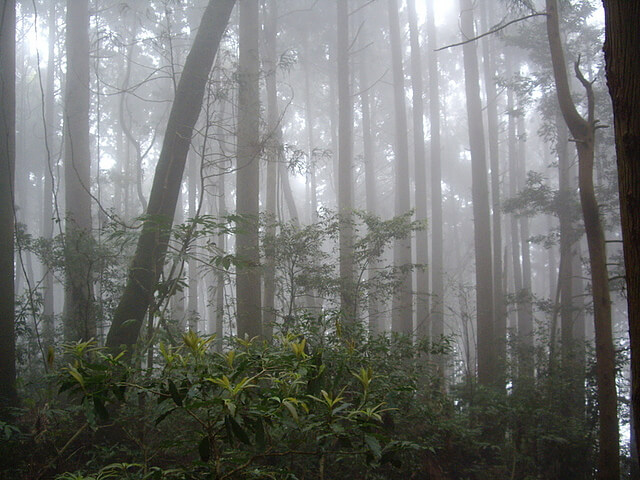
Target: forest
{"points": [[319, 239]]}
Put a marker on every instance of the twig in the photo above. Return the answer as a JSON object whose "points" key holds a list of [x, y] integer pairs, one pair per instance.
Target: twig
{"points": [[492, 31]]}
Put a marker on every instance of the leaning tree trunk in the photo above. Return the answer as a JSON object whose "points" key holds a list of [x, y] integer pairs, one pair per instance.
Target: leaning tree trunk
{"points": [[148, 260], [622, 50], [8, 396], [583, 131], [480, 195], [402, 308], [79, 315]]}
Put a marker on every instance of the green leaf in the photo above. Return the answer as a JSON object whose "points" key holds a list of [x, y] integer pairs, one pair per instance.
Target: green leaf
{"points": [[204, 449], [100, 409], [238, 431], [175, 395], [163, 416], [292, 410], [373, 445]]}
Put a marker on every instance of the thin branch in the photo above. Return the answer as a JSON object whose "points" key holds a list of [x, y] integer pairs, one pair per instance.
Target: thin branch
{"points": [[492, 31]]}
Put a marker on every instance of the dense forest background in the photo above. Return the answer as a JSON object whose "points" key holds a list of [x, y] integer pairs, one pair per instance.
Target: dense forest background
{"points": [[313, 239]]}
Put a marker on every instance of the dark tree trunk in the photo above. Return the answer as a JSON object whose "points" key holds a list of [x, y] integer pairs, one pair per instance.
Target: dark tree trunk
{"points": [[622, 50], [402, 307], [480, 195], [148, 260], [8, 396], [583, 132]]}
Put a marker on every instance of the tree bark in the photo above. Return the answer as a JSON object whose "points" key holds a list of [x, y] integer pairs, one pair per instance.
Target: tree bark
{"points": [[422, 237], [437, 236], [248, 287], [79, 313], [622, 49], [151, 249], [8, 395], [480, 196], [402, 303], [583, 131], [348, 302]]}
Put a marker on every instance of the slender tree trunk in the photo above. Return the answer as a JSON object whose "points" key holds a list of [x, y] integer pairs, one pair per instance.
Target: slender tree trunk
{"points": [[583, 132], [273, 148], [248, 287], [480, 196], [47, 194], [348, 302], [402, 307], [437, 242], [8, 395], [622, 49], [148, 260], [374, 307], [192, 263], [79, 312], [525, 325], [422, 237], [499, 304], [308, 111]]}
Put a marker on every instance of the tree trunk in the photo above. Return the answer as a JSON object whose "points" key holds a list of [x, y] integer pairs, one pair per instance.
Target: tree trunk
{"points": [[148, 260], [248, 287], [273, 148], [402, 307], [8, 396], [374, 306], [192, 263], [499, 304], [437, 240], [422, 236], [583, 132], [348, 302], [47, 194], [480, 196], [79, 313], [622, 49]]}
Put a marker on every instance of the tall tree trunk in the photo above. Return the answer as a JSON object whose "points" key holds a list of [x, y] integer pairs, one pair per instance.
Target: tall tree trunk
{"points": [[402, 306], [192, 263], [437, 238], [79, 313], [248, 287], [308, 112], [47, 194], [151, 249], [499, 304], [273, 148], [8, 395], [583, 131], [422, 236], [622, 49], [348, 302], [480, 196], [374, 306], [525, 325]]}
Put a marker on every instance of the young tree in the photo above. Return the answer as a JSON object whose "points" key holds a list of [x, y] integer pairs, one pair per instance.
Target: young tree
{"points": [[248, 286], [7, 167], [622, 49], [583, 131], [480, 194], [151, 249]]}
